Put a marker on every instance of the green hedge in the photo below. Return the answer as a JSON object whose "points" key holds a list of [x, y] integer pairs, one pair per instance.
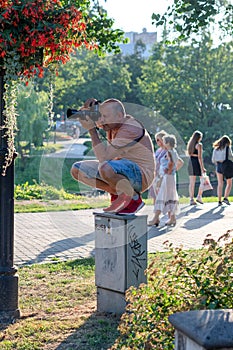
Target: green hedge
{"points": [[45, 192]]}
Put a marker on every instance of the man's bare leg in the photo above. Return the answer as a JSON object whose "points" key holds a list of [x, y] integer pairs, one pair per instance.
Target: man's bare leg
{"points": [[95, 183], [112, 182], [118, 182]]}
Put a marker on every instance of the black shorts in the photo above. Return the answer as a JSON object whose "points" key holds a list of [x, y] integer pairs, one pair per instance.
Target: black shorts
{"points": [[194, 168]]}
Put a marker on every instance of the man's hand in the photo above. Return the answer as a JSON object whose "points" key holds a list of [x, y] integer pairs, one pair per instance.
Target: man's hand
{"points": [[89, 102], [87, 123]]}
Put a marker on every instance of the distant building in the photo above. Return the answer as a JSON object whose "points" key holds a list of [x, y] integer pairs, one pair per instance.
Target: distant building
{"points": [[145, 38]]}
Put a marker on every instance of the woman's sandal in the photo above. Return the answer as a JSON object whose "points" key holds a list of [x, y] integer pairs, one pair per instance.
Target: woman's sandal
{"points": [[154, 223], [171, 223]]}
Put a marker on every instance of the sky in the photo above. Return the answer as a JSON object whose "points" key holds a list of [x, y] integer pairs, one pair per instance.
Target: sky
{"points": [[134, 15]]}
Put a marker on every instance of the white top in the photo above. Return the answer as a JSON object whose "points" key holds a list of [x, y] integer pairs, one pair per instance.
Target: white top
{"points": [[219, 155]]}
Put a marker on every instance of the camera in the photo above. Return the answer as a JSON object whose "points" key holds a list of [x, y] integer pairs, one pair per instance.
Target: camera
{"points": [[93, 112]]}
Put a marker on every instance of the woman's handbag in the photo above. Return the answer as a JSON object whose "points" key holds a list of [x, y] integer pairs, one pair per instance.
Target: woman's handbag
{"points": [[227, 166], [205, 183]]}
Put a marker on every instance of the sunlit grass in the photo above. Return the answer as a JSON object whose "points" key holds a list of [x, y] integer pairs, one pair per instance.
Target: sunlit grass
{"points": [[83, 203], [58, 308]]}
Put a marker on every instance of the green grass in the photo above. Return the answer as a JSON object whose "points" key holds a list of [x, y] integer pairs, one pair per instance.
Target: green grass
{"points": [[81, 203], [58, 308], [34, 206]]}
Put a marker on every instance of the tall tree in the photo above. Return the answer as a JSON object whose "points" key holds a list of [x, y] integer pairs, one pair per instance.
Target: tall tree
{"points": [[188, 16], [88, 75], [32, 116], [191, 86], [134, 64]]}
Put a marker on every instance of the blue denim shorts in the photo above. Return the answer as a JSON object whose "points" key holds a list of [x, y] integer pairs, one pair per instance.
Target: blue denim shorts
{"points": [[122, 166], [219, 167]]}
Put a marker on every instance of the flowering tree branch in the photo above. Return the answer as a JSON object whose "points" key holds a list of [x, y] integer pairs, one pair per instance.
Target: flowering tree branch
{"points": [[35, 34]]}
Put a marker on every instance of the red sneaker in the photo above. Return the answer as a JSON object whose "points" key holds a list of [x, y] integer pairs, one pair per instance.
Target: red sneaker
{"points": [[133, 207], [113, 197], [118, 204]]}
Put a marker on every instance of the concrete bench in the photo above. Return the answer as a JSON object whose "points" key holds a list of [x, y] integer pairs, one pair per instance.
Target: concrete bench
{"points": [[203, 329]]}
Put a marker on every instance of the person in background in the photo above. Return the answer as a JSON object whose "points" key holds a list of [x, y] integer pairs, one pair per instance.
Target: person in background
{"points": [[218, 156], [167, 200], [159, 153], [195, 165], [125, 165], [74, 128]]}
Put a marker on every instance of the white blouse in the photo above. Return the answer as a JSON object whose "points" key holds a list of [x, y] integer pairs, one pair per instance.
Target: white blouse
{"points": [[219, 155]]}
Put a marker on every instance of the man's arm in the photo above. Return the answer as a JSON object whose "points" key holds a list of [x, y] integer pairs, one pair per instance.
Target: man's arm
{"points": [[102, 152], [98, 146], [179, 164]]}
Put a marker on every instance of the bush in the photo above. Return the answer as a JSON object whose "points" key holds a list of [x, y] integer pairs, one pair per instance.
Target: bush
{"points": [[184, 281], [42, 191]]}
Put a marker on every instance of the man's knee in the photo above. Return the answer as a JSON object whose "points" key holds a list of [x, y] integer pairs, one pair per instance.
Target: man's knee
{"points": [[106, 171], [74, 172]]}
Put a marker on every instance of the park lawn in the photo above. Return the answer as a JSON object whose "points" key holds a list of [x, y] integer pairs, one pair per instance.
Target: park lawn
{"points": [[57, 304], [37, 205], [30, 206], [58, 310]]}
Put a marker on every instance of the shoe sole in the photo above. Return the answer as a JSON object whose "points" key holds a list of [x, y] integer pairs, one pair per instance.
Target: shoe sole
{"points": [[114, 211], [156, 224], [132, 213], [200, 202], [171, 224]]}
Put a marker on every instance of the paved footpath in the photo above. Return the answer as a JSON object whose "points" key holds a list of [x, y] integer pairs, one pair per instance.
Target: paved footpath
{"points": [[44, 237]]}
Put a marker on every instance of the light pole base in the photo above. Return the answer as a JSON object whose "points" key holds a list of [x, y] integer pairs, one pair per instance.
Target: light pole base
{"points": [[9, 317], [9, 310]]}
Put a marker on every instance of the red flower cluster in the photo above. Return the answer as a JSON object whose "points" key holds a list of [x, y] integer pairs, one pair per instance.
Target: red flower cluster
{"points": [[35, 27]]}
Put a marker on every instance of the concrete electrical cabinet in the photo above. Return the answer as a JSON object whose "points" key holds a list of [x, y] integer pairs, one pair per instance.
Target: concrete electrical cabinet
{"points": [[120, 258]]}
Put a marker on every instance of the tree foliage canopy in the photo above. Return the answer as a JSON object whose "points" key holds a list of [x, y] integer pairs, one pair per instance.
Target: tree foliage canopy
{"points": [[191, 86], [188, 16]]}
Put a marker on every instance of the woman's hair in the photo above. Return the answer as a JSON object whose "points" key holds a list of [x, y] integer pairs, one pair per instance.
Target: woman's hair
{"points": [[194, 139], [170, 140], [160, 134], [222, 142]]}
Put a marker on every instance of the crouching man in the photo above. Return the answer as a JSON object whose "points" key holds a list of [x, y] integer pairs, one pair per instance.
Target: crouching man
{"points": [[125, 165]]}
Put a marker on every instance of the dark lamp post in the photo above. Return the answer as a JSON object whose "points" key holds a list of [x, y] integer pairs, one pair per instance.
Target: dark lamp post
{"points": [[8, 278]]}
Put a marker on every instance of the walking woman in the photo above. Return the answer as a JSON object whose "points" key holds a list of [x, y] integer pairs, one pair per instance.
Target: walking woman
{"points": [[221, 146], [195, 166]]}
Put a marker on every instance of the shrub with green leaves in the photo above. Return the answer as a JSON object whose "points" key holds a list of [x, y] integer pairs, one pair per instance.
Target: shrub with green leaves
{"points": [[40, 191], [186, 280]]}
